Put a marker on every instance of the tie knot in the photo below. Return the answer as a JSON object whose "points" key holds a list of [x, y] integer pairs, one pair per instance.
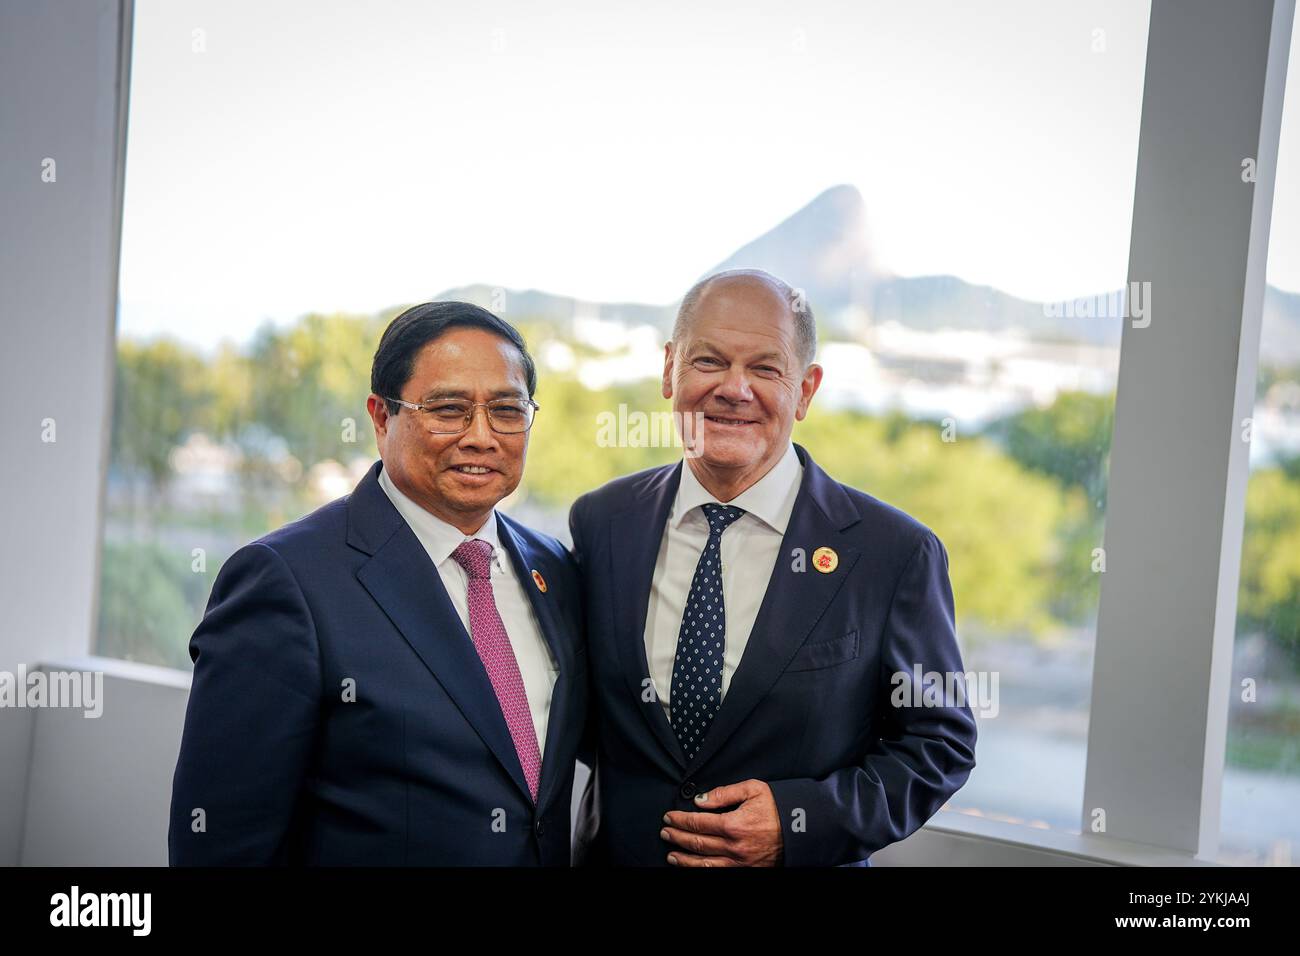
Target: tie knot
{"points": [[721, 516], [475, 556]]}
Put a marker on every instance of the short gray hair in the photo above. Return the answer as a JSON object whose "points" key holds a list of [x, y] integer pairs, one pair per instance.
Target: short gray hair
{"points": [[805, 325]]}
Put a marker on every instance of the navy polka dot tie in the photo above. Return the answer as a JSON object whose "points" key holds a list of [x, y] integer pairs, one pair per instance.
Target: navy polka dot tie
{"points": [[696, 693]]}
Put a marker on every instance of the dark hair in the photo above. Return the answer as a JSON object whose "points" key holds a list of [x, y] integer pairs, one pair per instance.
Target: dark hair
{"points": [[421, 324]]}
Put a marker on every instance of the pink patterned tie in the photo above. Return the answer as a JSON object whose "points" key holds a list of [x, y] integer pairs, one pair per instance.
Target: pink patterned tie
{"points": [[493, 646]]}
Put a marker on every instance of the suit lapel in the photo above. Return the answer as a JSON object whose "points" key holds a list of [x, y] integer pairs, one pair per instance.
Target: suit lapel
{"points": [[525, 559], [635, 536], [794, 601], [405, 583]]}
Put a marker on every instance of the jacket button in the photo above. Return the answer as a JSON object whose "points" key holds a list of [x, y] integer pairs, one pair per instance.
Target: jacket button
{"points": [[539, 828], [688, 790]]}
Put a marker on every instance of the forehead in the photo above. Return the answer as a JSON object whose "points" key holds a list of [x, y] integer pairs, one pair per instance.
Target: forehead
{"points": [[465, 359], [743, 314]]}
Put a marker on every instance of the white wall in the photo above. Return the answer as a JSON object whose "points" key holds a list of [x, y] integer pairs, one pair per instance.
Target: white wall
{"points": [[99, 788], [61, 73]]}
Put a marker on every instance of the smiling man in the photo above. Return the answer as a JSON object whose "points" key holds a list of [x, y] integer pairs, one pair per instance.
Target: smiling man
{"points": [[398, 678], [745, 616]]}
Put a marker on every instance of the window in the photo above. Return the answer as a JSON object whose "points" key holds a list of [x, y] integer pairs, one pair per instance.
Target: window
{"points": [[951, 185]]}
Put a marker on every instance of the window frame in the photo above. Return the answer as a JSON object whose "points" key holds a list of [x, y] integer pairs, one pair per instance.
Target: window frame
{"points": [[1178, 473]]}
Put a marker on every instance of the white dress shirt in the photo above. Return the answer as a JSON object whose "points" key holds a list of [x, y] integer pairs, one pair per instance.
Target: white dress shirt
{"points": [[757, 535], [440, 539]]}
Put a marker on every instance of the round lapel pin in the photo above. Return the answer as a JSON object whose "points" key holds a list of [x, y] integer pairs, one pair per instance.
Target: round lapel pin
{"points": [[825, 560], [539, 580]]}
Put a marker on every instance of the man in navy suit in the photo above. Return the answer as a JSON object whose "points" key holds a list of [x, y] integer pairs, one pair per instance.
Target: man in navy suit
{"points": [[400, 677], [753, 624]]}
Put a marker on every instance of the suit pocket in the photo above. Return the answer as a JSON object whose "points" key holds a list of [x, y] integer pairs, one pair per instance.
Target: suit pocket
{"points": [[818, 654]]}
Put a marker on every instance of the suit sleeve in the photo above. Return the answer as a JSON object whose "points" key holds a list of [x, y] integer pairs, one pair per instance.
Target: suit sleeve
{"points": [[252, 717], [921, 755], [587, 822], [587, 747]]}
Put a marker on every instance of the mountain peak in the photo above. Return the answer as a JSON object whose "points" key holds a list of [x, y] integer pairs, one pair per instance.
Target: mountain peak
{"points": [[822, 248], [843, 198]]}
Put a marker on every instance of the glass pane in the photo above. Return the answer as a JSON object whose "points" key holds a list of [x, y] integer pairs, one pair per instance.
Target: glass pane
{"points": [[951, 184]]}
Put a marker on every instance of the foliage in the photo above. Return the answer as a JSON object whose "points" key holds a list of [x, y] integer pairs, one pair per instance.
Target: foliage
{"points": [[998, 521], [1019, 507], [160, 394], [148, 595], [1270, 559]]}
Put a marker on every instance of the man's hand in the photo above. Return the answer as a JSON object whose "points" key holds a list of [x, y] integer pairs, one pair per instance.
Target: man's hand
{"points": [[749, 835]]}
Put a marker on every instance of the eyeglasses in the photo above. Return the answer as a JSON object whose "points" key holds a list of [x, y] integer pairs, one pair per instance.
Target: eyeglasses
{"points": [[450, 416]]}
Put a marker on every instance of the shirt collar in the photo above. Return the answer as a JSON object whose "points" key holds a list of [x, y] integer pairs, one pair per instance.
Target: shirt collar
{"points": [[439, 538], [770, 499]]}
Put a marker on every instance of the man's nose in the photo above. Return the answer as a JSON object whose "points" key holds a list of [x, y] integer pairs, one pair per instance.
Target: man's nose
{"points": [[479, 434], [735, 385]]}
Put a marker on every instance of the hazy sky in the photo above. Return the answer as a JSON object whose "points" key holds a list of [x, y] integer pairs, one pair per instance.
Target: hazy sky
{"points": [[350, 156]]}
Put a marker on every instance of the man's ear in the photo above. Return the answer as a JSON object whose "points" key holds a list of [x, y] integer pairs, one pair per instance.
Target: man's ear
{"points": [[378, 409], [667, 389], [812, 380]]}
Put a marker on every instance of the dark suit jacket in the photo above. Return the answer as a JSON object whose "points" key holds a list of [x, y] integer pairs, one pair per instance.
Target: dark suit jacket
{"points": [[420, 768], [808, 708]]}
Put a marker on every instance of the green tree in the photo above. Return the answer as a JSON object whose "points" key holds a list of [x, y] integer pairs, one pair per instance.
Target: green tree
{"points": [[307, 379], [160, 395], [1069, 440], [1002, 524], [150, 602], [1269, 596], [564, 457]]}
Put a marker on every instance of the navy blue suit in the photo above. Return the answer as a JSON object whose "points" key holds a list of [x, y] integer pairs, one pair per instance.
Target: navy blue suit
{"points": [[808, 709], [420, 768]]}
